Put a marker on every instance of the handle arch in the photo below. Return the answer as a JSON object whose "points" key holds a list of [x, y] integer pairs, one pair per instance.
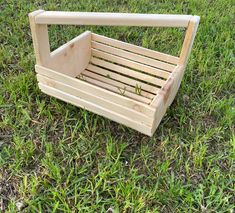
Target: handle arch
{"points": [[40, 19]]}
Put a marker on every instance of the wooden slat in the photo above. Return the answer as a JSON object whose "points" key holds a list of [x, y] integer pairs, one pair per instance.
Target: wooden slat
{"points": [[87, 77], [92, 89], [135, 49], [128, 72], [96, 109], [95, 99], [118, 84], [132, 56], [123, 79], [113, 19], [131, 64]]}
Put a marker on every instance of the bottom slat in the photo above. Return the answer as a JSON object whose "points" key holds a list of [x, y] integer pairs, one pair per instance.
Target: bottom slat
{"points": [[117, 84], [96, 109], [124, 79], [115, 89]]}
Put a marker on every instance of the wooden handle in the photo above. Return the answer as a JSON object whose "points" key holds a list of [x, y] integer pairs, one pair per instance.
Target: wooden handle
{"points": [[114, 19], [40, 19]]}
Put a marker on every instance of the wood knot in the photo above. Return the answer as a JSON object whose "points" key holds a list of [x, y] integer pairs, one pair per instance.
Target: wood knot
{"points": [[51, 83], [71, 45], [137, 108]]}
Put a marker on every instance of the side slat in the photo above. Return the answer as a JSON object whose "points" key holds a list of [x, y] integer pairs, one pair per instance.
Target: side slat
{"points": [[135, 49], [132, 56], [131, 64], [132, 114], [117, 84], [129, 72], [92, 89], [96, 109], [123, 79]]}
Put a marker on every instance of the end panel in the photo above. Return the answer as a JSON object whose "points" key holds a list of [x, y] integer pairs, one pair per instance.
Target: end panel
{"points": [[73, 57]]}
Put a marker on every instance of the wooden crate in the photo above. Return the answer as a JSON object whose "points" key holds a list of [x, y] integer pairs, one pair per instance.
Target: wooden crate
{"points": [[126, 83]]}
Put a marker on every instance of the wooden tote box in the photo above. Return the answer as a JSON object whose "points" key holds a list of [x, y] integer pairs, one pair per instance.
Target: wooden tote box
{"points": [[126, 83]]}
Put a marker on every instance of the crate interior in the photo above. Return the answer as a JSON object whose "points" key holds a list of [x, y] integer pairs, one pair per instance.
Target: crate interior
{"points": [[126, 69]]}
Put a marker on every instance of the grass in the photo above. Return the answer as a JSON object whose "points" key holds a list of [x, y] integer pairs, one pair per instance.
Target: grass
{"points": [[55, 157]]}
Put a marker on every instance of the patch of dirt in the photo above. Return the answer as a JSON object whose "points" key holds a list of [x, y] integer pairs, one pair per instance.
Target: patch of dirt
{"points": [[209, 121], [7, 189], [197, 178]]}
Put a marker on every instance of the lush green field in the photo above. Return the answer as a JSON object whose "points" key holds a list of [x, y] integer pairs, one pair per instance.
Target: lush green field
{"points": [[57, 157]]}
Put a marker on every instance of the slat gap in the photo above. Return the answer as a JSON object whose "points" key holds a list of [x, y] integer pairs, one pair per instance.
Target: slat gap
{"points": [[124, 79], [128, 72], [130, 68], [115, 89], [118, 84], [130, 64]]}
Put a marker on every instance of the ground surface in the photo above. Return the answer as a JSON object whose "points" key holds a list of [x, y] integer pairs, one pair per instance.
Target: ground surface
{"points": [[56, 157]]}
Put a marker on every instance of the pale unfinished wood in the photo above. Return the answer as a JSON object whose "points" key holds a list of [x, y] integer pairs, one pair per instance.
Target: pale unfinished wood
{"points": [[104, 75], [121, 86], [167, 89], [40, 39], [136, 49], [79, 84], [165, 97], [133, 114], [132, 56], [189, 39], [167, 94], [127, 63], [128, 72], [141, 127], [113, 19], [87, 77], [73, 57], [130, 81]]}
